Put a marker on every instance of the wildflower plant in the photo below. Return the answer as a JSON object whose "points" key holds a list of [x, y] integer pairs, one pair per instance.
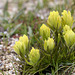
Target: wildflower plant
{"points": [[57, 46]]}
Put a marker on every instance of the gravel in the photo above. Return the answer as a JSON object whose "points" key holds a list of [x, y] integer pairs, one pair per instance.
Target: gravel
{"points": [[7, 57]]}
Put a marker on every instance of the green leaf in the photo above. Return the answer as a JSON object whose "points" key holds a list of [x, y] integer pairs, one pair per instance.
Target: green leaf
{"points": [[14, 29], [19, 13], [14, 68], [30, 31], [5, 8], [48, 74]]}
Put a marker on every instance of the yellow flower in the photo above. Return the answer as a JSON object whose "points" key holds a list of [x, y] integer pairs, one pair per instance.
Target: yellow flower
{"points": [[24, 39], [54, 20], [16, 48], [45, 45], [69, 37], [66, 28], [49, 44], [21, 45], [34, 56], [67, 19], [44, 31]]}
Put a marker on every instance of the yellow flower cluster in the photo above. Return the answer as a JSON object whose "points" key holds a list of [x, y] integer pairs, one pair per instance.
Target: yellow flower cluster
{"points": [[34, 56], [49, 44], [54, 20], [66, 28], [44, 31], [24, 39], [69, 37], [67, 19], [21, 45]]}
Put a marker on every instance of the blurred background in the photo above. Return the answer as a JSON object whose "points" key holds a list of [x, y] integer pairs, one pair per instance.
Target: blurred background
{"points": [[16, 13]]}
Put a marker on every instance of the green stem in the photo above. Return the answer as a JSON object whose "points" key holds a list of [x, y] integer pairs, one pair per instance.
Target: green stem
{"points": [[41, 69], [24, 69], [38, 41]]}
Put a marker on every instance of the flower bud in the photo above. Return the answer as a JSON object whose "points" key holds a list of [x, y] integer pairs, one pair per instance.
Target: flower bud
{"points": [[67, 19], [16, 47], [24, 39], [66, 28], [49, 44], [44, 31], [54, 20], [34, 56], [21, 45], [69, 37]]}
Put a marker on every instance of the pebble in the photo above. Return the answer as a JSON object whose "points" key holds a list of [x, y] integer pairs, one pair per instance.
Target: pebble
{"points": [[1, 46], [17, 59]]}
